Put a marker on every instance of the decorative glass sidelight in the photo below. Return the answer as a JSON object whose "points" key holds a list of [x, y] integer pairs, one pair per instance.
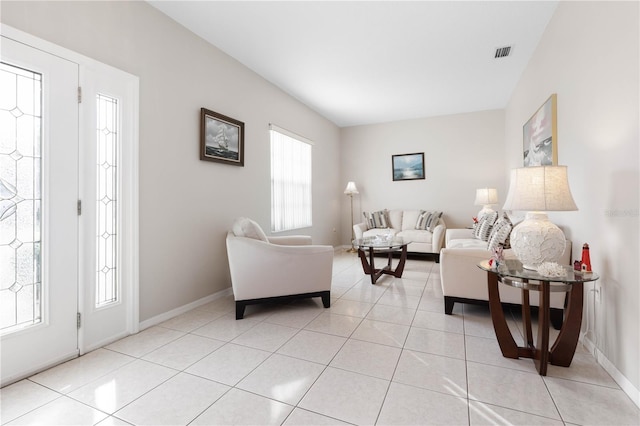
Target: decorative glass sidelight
{"points": [[20, 198], [107, 200]]}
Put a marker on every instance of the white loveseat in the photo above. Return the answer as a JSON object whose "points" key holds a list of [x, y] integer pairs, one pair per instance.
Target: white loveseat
{"points": [[462, 281], [403, 224], [265, 269]]}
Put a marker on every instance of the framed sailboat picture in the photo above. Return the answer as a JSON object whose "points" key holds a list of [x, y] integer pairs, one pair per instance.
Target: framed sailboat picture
{"points": [[221, 138]]}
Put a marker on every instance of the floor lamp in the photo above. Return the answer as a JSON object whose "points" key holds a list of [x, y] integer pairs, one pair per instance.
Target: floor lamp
{"points": [[350, 190]]}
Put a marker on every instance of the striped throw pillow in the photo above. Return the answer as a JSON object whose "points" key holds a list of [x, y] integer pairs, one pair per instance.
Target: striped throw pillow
{"points": [[500, 233], [379, 219], [483, 230], [428, 220]]}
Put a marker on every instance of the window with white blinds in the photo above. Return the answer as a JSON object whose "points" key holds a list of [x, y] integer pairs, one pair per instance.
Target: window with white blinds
{"points": [[290, 180]]}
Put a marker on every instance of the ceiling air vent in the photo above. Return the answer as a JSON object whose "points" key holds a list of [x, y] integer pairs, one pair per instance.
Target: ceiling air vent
{"points": [[502, 52]]}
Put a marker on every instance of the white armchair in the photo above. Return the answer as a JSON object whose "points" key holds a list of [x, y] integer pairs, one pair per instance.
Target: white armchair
{"points": [[267, 269]]}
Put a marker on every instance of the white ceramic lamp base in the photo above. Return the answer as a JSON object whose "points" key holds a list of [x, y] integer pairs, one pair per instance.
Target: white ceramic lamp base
{"points": [[485, 211], [537, 240]]}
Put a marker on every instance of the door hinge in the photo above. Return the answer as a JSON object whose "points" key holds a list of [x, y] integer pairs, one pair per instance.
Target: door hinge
{"points": [[79, 320], [79, 207], [79, 94]]}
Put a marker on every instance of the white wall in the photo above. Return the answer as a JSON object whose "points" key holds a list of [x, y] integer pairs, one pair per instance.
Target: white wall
{"points": [[462, 152], [187, 205], [589, 56]]}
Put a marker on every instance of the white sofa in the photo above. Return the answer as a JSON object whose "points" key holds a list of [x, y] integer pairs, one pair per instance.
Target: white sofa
{"points": [[403, 224], [462, 281], [265, 269]]}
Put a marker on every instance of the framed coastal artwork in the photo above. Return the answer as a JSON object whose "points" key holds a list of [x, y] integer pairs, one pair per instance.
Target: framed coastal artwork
{"points": [[540, 136], [408, 166], [221, 138]]}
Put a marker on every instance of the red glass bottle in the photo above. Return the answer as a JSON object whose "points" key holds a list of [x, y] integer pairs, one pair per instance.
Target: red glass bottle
{"points": [[586, 260]]}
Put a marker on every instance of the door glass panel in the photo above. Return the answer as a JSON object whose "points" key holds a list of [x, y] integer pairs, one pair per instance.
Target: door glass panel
{"points": [[20, 198], [107, 197]]}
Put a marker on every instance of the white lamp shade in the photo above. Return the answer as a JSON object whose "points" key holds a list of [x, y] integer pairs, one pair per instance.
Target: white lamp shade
{"points": [[542, 188], [351, 188], [485, 196]]}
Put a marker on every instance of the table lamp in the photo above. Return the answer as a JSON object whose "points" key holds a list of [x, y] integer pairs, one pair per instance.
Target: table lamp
{"points": [[537, 190], [351, 190], [486, 197]]}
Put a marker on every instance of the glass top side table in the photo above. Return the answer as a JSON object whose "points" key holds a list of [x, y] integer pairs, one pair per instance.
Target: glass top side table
{"points": [[511, 272], [381, 244]]}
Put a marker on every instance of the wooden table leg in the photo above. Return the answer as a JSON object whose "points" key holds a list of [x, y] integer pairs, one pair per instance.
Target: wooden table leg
{"points": [[526, 319], [565, 346], [541, 354], [400, 268], [503, 334]]}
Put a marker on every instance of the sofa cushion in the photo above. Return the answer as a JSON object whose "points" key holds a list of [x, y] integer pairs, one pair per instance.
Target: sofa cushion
{"points": [[395, 217], [245, 227], [377, 219], [409, 218], [415, 236], [500, 233]]}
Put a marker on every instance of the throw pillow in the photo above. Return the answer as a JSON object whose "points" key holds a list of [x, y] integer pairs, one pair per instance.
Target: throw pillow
{"points": [[500, 233], [483, 229], [377, 219], [433, 221], [423, 220], [244, 227]]}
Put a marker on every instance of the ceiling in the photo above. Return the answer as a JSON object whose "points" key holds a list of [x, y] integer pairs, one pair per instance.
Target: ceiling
{"points": [[364, 62]]}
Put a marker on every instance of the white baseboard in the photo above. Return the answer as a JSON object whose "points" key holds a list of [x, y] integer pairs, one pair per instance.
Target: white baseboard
{"points": [[624, 383], [185, 308]]}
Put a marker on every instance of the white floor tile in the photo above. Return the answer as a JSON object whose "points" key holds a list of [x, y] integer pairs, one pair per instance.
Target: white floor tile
{"points": [[583, 368], [489, 415], [229, 364], [313, 346], [303, 417], [350, 397], [351, 308], [183, 352], [439, 321], [282, 378], [265, 336], [399, 300], [114, 390], [392, 314], [226, 328], [177, 401], [583, 403], [62, 411], [113, 421], [436, 342], [487, 351], [146, 341], [433, 372], [339, 325], [21, 397], [191, 320], [367, 358], [69, 376], [297, 315], [407, 405], [366, 293], [384, 333], [238, 407], [512, 389]]}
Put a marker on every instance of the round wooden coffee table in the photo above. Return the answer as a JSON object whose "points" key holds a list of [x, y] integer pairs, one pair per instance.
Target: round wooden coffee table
{"points": [[377, 245]]}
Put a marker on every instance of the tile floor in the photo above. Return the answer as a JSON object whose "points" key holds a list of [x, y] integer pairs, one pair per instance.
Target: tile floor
{"points": [[382, 354]]}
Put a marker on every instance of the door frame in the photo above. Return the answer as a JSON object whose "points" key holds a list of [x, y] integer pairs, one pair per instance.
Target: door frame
{"points": [[130, 197]]}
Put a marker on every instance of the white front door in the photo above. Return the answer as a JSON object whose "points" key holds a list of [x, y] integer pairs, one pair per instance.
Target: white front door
{"points": [[38, 215], [68, 204]]}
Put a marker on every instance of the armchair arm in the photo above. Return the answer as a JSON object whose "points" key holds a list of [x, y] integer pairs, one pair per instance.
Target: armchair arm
{"points": [[458, 234], [291, 240], [437, 239], [358, 229]]}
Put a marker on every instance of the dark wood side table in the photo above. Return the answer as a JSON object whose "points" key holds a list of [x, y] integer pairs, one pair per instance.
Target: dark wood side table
{"points": [[511, 272], [375, 245]]}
